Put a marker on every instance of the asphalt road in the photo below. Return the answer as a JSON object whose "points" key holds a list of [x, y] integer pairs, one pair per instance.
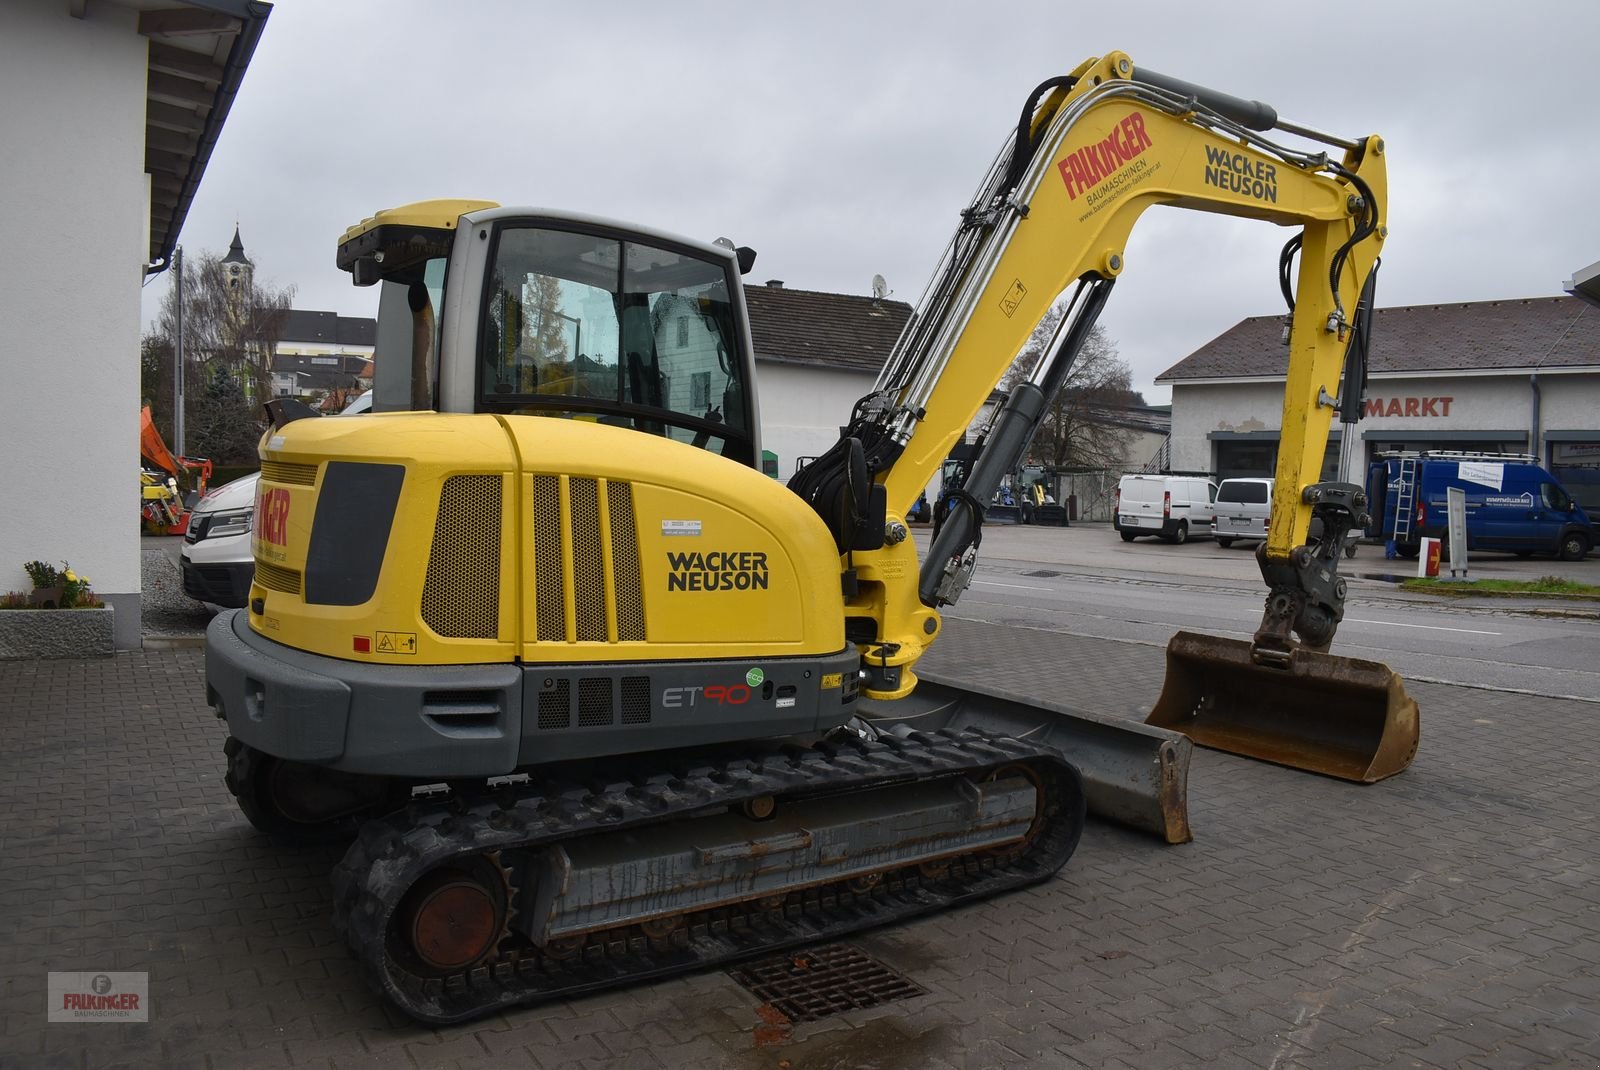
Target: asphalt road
{"points": [[1085, 581]]}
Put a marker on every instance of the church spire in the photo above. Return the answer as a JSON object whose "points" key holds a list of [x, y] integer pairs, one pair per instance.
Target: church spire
{"points": [[236, 250], [235, 266]]}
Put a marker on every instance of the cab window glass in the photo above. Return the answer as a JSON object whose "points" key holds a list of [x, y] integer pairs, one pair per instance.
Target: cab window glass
{"points": [[628, 333], [425, 297]]}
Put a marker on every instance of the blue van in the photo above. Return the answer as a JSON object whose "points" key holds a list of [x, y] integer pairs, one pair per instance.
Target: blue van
{"points": [[1513, 504]]}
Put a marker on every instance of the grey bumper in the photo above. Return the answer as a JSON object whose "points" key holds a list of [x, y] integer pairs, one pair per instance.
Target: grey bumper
{"points": [[444, 721], [423, 721]]}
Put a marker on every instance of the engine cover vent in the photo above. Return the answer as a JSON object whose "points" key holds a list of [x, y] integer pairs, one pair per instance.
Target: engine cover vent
{"points": [[461, 598], [587, 584]]}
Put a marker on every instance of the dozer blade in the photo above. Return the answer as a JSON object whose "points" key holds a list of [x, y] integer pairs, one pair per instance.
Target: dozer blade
{"points": [[1133, 774], [1342, 717]]}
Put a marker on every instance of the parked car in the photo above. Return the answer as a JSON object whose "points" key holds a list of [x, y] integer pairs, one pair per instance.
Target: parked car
{"points": [[217, 561], [1513, 504], [1174, 508], [1244, 509]]}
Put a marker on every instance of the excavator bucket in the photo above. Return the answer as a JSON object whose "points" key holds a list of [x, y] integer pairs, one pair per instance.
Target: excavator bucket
{"points": [[1338, 716]]}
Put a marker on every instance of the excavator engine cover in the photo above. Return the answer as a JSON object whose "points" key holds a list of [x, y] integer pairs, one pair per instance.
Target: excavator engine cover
{"points": [[1343, 717]]}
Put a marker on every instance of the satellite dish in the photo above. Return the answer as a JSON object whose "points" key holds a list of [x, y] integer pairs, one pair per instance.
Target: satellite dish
{"points": [[880, 288]]}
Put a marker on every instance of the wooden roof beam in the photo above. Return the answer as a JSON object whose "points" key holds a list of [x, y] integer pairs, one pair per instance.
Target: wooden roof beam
{"points": [[172, 117], [170, 163], [169, 59], [178, 22], [185, 90], [156, 137]]}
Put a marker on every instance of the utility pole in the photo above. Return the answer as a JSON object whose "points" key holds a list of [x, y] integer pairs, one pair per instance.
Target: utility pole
{"points": [[177, 369]]}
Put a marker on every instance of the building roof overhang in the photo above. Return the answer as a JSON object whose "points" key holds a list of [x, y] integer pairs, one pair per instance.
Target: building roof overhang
{"points": [[199, 50], [1585, 283]]}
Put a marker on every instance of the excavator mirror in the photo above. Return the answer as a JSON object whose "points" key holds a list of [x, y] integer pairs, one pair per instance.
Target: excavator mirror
{"points": [[281, 411], [364, 271], [747, 259]]}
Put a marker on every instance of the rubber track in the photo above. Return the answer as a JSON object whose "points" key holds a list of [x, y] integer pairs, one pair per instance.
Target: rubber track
{"points": [[391, 854]]}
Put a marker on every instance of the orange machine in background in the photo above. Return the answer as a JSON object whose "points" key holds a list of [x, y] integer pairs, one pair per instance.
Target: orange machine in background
{"points": [[163, 505]]}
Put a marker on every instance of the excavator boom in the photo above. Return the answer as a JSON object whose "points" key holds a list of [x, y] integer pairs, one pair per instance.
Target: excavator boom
{"points": [[1093, 151]]}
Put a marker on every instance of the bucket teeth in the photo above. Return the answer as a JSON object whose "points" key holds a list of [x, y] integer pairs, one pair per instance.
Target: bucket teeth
{"points": [[1342, 717]]}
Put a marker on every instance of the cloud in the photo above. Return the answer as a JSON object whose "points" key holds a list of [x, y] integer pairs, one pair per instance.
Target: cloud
{"points": [[841, 140]]}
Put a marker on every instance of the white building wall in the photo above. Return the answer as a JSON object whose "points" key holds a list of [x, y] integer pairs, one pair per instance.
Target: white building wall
{"points": [[1199, 409], [1569, 402], [320, 349], [1143, 447], [1420, 406], [76, 218], [803, 407]]}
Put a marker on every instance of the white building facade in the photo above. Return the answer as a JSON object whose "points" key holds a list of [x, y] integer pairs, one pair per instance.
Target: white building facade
{"points": [[1498, 376], [92, 190]]}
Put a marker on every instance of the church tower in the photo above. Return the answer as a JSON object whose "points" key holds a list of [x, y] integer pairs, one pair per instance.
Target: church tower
{"points": [[235, 268]]}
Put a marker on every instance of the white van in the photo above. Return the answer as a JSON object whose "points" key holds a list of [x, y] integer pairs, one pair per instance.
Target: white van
{"points": [[1244, 508], [1172, 507]]}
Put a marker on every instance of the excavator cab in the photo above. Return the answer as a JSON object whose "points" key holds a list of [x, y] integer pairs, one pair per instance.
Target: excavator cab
{"points": [[578, 318]]}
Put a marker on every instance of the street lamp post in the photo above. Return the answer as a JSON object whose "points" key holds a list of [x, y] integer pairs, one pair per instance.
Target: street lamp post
{"points": [[177, 369]]}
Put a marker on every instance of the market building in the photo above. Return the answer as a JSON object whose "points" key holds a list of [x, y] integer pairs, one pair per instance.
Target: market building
{"points": [[1515, 376]]}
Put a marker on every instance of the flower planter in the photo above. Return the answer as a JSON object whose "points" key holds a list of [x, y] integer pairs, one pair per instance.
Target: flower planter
{"points": [[56, 633]]}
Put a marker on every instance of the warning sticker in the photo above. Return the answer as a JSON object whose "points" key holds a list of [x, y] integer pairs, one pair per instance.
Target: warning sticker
{"points": [[396, 643], [1013, 297], [832, 680]]}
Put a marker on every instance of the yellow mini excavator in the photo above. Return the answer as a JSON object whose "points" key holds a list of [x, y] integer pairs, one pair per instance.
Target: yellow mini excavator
{"points": [[596, 701]]}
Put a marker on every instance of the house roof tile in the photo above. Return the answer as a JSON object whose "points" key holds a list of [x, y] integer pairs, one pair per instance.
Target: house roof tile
{"points": [[823, 329], [1537, 332], [329, 328]]}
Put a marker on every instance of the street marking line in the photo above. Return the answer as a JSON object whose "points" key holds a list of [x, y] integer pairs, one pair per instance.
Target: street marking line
{"points": [[1013, 586], [1427, 627]]}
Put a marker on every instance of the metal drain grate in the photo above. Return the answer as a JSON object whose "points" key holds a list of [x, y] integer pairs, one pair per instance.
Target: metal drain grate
{"points": [[818, 982]]}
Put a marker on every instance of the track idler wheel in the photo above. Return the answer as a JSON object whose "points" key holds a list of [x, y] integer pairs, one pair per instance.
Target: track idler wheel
{"points": [[452, 919], [297, 804]]}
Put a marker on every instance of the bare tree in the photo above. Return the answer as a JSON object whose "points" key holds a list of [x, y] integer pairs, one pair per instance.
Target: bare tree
{"points": [[155, 381], [1080, 428], [231, 329], [545, 327]]}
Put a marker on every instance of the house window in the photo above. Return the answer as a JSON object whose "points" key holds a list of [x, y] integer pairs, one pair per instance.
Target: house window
{"points": [[699, 389], [683, 331]]}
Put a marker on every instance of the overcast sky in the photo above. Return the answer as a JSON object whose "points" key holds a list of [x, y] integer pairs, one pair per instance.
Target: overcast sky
{"points": [[840, 140]]}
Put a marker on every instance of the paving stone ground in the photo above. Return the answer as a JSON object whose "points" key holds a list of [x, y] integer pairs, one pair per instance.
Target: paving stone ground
{"points": [[1444, 918]]}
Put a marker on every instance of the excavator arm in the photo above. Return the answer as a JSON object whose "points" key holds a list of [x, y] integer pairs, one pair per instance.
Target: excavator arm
{"points": [[1094, 151]]}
